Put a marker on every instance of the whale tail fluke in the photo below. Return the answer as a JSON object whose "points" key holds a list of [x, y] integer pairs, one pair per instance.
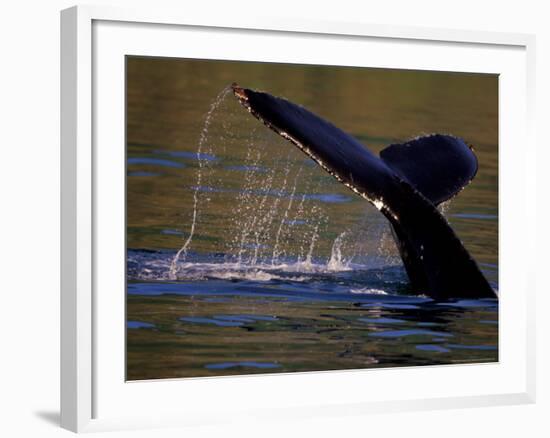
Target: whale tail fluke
{"points": [[406, 183], [438, 166]]}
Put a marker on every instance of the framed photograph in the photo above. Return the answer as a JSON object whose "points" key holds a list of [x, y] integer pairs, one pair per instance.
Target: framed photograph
{"points": [[253, 208]]}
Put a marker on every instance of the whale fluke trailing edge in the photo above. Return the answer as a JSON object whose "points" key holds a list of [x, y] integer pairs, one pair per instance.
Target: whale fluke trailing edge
{"points": [[406, 183]]}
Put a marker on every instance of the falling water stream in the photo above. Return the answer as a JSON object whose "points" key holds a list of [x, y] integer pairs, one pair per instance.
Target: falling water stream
{"points": [[183, 250], [272, 228]]}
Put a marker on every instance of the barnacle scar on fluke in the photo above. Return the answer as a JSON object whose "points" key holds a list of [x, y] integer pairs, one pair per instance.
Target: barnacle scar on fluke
{"points": [[406, 183]]}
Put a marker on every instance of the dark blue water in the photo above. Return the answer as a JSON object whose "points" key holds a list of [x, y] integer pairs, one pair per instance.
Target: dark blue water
{"points": [[218, 317]]}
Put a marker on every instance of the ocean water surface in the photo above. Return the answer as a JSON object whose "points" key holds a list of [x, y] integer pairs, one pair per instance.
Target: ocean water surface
{"points": [[243, 256]]}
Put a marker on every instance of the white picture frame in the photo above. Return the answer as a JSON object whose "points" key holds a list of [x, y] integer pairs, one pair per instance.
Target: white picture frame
{"points": [[92, 394]]}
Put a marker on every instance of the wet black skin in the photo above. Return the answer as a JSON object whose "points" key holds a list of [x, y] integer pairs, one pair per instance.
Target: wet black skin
{"points": [[405, 183]]}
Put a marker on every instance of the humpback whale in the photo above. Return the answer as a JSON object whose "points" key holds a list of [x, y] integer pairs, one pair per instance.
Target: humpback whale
{"points": [[405, 183]]}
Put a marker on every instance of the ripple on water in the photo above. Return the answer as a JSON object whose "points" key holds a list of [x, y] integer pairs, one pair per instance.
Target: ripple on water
{"points": [[219, 323], [488, 303], [382, 320], [189, 155], [154, 162], [246, 317], [409, 332], [138, 325], [172, 232], [245, 364], [228, 320], [391, 306], [488, 321], [472, 347], [434, 348], [331, 198], [490, 217]]}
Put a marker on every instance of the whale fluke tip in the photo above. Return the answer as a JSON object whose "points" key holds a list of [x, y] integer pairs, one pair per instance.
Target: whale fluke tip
{"points": [[239, 91]]}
